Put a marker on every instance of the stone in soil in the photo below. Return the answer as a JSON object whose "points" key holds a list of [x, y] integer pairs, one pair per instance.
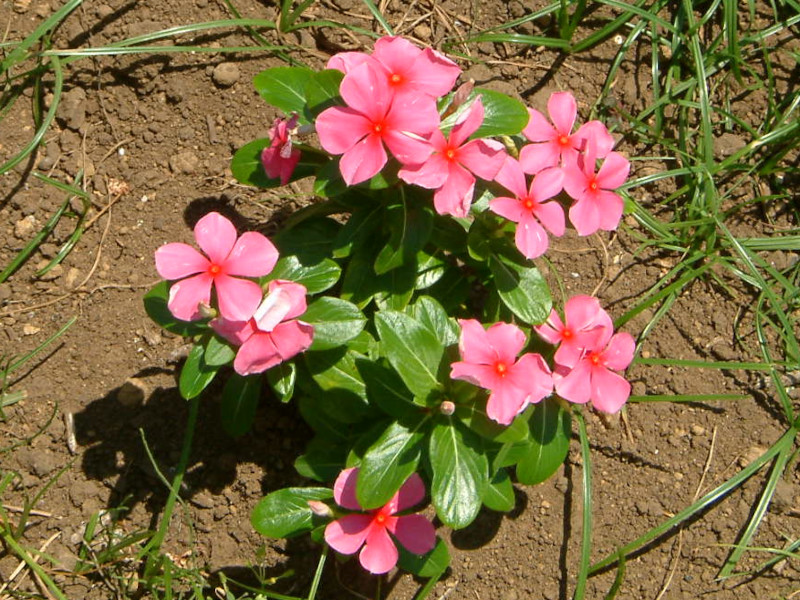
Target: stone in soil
{"points": [[225, 74]]}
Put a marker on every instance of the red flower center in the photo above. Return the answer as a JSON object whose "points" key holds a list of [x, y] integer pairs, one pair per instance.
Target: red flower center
{"points": [[563, 140], [380, 518], [377, 128], [501, 368], [395, 79], [567, 334], [529, 203], [214, 269], [595, 358], [450, 154], [593, 184]]}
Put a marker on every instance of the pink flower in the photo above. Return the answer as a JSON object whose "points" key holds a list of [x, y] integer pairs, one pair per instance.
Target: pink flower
{"points": [[593, 377], [371, 529], [556, 144], [449, 170], [584, 326], [406, 67], [280, 159], [528, 207], [596, 206], [375, 117], [273, 335], [251, 255], [489, 361]]}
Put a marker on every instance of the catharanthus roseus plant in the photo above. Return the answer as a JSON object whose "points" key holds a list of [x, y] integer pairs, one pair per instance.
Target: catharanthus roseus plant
{"points": [[402, 309]]}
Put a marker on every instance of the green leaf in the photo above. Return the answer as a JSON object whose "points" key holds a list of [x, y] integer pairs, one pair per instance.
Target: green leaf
{"points": [[548, 445], [311, 241], [410, 229], [503, 115], [522, 289], [281, 379], [335, 322], [239, 402], [473, 414], [396, 287], [285, 88], [316, 278], [322, 460], [285, 513], [428, 565], [361, 225], [155, 305], [342, 393], [430, 269], [322, 91], [324, 426], [460, 474], [413, 351], [218, 352], [432, 315], [500, 493], [386, 390], [247, 168], [388, 463], [195, 374]]}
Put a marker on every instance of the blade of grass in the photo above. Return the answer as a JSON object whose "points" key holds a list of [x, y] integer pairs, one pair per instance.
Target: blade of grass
{"points": [[586, 527], [378, 16]]}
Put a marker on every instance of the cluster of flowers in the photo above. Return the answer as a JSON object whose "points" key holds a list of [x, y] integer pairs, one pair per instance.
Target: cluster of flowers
{"points": [[265, 328], [588, 354], [391, 104]]}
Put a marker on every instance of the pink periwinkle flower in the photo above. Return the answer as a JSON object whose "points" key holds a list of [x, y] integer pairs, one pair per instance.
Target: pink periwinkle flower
{"points": [[449, 169], [593, 377], [407, 68], [371, 530], [280, 158], [274, 334], [585, 325], [596, 206], [555, 144], [490, 361], [226, 258], [528, 208], [374, 117]]}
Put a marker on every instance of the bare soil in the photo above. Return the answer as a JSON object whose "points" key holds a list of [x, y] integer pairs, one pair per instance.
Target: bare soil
{"points": [[153, 136]]}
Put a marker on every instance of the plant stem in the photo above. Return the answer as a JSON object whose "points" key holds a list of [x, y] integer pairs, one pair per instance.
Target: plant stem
{"points": [[586, 532], [32, 564], [318, 574], [152, 548]]}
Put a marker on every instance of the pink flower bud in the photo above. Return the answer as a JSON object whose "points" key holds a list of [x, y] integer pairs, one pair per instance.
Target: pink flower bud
{"points": [[320, 508], [447, 408]]}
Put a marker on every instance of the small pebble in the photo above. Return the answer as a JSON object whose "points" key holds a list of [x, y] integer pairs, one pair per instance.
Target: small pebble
{"points": [[225, 74]]}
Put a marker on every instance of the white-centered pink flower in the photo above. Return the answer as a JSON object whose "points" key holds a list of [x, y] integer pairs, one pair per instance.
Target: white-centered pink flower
{"points": [[373, 118], [554, 144], [406, 67], [274, 334], [585, 325], [528, 208], [370, 531], [593, 378], [596, 206], [280, 158], [489, 360], [449, 169], [226, 259]]}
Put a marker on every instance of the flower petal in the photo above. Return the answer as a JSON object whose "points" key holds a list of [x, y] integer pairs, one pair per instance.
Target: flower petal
{"points": [[216, 236], [363, 161], [512, 177], [415, 533], [236, 332], [411, 493], [510, 208], [379, 554], [292, 337], [575, 182], [576, 386], [257, 354], [506, 402], [455, 195], [597, 131], [433, 73], [550, 330], [610, 207], [613, 172], [483, 157], [238, 299], [532, 374], [562, 109], [467, 123], [619, 353], [585, 216], [539, 128], [413, 112], [178, 260], [473, 344], [609, 390], [253, 255], [366, 90], [340, 128], [347, 61], [551, 215], [481, 375], [582, 312], [547, 184], [507, 341], [186, 294], [535, 157], [430, 174], [344, 489], [347, 534], [530, 237]]}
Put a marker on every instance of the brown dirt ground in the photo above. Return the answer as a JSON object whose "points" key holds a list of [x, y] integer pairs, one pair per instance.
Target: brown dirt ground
{"points": [[161, 125]]}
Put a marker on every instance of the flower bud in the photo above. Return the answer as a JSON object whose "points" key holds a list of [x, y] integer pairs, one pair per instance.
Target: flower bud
{"points": [[206, 311], [447, 408], [320, 508]]}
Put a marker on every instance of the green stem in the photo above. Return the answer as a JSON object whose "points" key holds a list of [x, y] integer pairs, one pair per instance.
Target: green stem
{"points": [[586, 532], [153, 547], [318, 574], [32, 564]]}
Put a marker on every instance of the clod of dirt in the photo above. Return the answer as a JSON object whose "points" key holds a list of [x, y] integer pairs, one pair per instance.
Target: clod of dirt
{"points": [[24, 227], [225, 74], [72, 110], [52, 274], [71, 279], [727, 144], [29, 329], [784, 498], [185, 162], [5, 292], [132, 392], [40, 462]]}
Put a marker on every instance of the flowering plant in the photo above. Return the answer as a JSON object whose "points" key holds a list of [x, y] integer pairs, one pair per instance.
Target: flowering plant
{"points": [[402, 309]]}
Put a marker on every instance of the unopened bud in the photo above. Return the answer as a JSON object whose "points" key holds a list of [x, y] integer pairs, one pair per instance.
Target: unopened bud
{"points": [[320, 508], [462, 93], [447, 408], [206, 311]]}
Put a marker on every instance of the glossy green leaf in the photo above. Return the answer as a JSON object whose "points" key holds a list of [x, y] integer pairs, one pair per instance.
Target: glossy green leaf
{"points": [[410, 229], [332, 430], [310, 241], [285, 513], [386, 390], [239, 402], [361, 225], [281, 379], [473, 414], [499, 494], [285, 88], [522, 289], [388, 463], [155, 305], [218, 352], [549, 442], [396, 288], [335, 322], [460, 474], [195, 374], [432, 315], [430, 269], [432, 564], [341, 391], [413, 351], [322, 460], [322, 91], [247, 168], [503, 115], [316, 278]]}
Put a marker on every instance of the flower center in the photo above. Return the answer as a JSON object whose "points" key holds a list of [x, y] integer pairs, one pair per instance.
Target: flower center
{"points": [[450, 154], [567, 334], [501, 368], [377, 128], [595, 358], [529, 203], [563, 140], [214, 269], [593, 185], [380, 518], [395, 79]]}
